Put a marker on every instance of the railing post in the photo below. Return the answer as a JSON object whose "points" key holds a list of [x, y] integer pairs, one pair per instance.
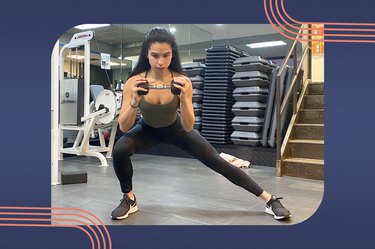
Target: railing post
{"points": [[278, 126], [295, 98], [309, 73], [295, 63]]}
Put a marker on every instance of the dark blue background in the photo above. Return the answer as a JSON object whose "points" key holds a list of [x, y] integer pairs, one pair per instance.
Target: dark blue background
{"points": [[28, 32]]}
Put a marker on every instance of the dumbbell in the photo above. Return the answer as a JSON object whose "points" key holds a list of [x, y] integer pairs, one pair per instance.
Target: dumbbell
{"points": [[174, 90]]}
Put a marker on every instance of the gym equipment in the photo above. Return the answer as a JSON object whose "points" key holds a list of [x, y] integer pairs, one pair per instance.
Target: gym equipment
{"points": [[198, 123], [269, 108], [194, 69], [285, 82], [217, 95], [106, 99], [252, 78], [245, 138], [197, 82], [196, 72], [197, 109], [197, 96], [147, 86], [71, 104], [253, 63], [253, 93], [249, 108], [73, 177], [100, 114], [254, 124]]}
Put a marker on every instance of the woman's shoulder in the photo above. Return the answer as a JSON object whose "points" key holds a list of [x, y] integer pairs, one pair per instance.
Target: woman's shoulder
{"points": [[176, 74], [134, 77]]}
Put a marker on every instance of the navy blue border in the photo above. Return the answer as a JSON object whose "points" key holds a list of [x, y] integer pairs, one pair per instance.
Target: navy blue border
{"points": [[29, 30]]}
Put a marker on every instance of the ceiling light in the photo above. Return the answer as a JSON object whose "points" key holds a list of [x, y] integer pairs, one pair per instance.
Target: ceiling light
{"points": [[77, 57], [132, 58], [90, 26], [266, 44], [117, 64]]}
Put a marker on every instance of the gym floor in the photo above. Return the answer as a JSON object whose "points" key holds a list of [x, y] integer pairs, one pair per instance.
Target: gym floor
{"points": [[183, 191]]}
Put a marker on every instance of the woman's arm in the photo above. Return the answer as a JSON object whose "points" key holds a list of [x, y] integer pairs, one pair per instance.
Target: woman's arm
{"points": [[130, 102], [186, 102]]}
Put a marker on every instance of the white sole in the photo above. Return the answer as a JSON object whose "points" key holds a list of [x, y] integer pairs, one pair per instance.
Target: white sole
{"points": [[131, 210], [269, 211]]}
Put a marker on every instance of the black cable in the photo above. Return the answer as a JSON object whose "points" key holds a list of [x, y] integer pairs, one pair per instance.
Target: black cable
{"points": [[109, 81]]}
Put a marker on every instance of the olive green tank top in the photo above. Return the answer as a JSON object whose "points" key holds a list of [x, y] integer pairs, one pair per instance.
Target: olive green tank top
{"points": [[159, 115]]}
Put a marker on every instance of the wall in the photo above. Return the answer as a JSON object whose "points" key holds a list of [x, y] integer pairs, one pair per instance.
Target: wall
{"points": [[317, 69], [317, 51]]}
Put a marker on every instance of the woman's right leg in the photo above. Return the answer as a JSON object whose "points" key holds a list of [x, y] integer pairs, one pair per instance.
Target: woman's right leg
{"points": [[136, 139]]}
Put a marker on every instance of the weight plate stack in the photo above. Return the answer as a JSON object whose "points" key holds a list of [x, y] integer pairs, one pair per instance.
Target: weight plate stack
{"points": [[218, 94], [251, 80], [196, 72]]}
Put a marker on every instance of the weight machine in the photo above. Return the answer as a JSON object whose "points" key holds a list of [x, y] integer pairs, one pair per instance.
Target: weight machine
{"points": [[76, 113]]}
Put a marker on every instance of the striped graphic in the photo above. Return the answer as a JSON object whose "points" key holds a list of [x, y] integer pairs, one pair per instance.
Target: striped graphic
{"points": [[76, 218], [288, 27]]}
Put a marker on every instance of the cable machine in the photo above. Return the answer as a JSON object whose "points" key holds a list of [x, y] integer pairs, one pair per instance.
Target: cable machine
{"points": [[76, 113]]}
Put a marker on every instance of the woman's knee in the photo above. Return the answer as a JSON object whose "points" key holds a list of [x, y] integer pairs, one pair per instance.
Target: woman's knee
{"points": [[208, 154], [123, 148]]}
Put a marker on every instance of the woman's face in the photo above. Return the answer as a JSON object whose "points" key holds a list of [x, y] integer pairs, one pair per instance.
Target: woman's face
{"points": [[160, 55]]}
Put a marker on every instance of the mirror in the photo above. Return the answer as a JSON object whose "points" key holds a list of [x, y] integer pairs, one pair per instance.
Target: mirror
{"points": [[123, 43]]}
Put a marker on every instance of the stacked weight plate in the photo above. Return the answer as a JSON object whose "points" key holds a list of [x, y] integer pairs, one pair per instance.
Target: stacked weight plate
{"points": [[217, 95], [270, 106], [285, 83], [251, 93], [195, 71]]}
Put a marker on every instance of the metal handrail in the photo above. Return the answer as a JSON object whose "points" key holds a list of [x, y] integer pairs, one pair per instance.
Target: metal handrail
{"points": [[281, 104], [287, 95]]}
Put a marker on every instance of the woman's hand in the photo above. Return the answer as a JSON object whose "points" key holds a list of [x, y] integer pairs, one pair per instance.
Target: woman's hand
{"points": [[186, 102], [130, 102], [185, 86], [135, 88]]}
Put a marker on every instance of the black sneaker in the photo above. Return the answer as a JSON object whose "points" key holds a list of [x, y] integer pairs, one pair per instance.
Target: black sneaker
{"points": [[126, 207], [275, 208]]}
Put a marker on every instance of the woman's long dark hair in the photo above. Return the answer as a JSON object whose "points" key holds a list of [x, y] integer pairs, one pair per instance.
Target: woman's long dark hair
{"points": [[158, 34]]}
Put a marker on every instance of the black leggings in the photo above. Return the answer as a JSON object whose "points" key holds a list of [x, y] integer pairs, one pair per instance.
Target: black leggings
{"points": [[143, 136]]}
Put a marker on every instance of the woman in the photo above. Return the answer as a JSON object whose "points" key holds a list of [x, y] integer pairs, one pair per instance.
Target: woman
{"points": [[159, 64]]}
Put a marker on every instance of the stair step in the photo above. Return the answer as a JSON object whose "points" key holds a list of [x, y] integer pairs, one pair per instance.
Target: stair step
{"points": [[308, 131], [313, 101], [307, 141], [315, 125], [311, 116], [305, 160], [304, 168], [316, 88], [307, 148]]}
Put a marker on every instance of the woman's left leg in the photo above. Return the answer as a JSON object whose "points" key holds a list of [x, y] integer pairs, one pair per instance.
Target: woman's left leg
{"points": [[197, 146]]}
